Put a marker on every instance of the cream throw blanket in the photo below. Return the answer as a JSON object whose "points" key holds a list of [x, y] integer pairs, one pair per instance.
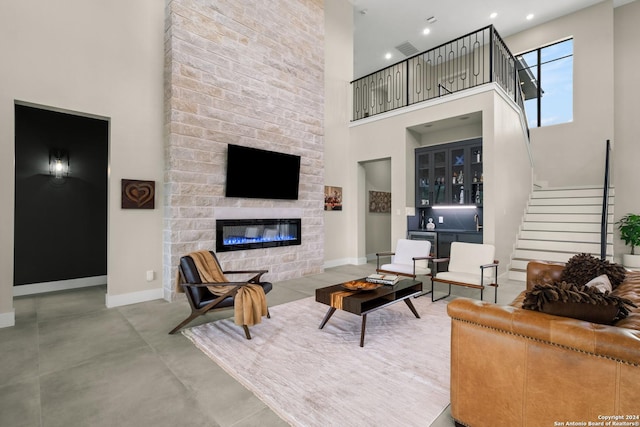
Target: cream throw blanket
{"points": [[250, 302]]}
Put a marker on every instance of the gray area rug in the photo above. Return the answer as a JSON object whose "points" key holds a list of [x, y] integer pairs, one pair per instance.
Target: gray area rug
{"points": [[322, 377]]}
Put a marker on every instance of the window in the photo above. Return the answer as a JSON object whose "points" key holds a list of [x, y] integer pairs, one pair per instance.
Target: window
{"points": [[546, 76]]}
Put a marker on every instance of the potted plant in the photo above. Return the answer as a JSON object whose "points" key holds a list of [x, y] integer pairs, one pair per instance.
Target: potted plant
{"points": [[629, 227]]}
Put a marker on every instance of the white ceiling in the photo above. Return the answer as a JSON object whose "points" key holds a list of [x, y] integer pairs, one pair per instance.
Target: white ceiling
{"points": [[389, 23]]}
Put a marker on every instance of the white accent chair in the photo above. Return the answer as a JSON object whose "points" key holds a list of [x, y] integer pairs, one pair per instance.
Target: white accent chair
{"points": [[471, 265], [411, 258]]}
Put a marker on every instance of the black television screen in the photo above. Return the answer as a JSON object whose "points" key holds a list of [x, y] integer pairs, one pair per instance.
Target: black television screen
{"points": [[261, 174]]}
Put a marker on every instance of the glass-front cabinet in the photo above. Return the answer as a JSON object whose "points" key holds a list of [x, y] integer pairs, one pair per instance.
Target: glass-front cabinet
{"points": [[431, 173], [449, 174], [476, 176]]}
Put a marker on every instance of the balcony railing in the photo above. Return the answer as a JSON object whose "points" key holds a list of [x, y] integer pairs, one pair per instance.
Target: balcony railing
{"points": [[475, 59]]}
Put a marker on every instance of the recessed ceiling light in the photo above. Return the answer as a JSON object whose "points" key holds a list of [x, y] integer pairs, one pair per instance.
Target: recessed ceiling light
{"points": [[426, 31], [387, 55], [464, 117], [493, 15], [530, 17]]}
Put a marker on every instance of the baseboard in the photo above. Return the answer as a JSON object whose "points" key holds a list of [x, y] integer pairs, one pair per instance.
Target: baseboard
{"points": [[7, 319], [133, 297], [372, 257], [59, 285], [345, 261]]}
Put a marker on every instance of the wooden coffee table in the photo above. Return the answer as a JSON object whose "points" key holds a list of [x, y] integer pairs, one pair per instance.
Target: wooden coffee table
{"points": [[363, 302]]}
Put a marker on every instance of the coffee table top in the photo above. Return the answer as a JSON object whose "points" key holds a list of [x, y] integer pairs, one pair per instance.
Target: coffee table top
{"points": [[363, 301]]}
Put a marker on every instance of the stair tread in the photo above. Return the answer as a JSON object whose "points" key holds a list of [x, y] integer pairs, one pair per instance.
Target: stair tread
{"points": [[558, 218]]}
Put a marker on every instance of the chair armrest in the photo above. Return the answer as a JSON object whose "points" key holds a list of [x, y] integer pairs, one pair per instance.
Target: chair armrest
{"points": [[254, 279], [495, 273], [495, 264], [418, 258], [379, 254], [245, 271], [202, 285], [385, 253], [437, 261]]}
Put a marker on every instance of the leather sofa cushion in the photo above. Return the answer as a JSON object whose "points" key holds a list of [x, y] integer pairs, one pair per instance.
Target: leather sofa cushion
{"points": [[630, 289], [543, 272]]}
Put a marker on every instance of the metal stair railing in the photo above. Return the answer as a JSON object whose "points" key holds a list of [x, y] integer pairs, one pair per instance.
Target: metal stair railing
{"points": [[605, 205], [474, 59]]}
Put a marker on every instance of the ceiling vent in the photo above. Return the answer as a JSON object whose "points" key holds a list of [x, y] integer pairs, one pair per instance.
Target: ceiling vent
{"points": [[407, 49]]}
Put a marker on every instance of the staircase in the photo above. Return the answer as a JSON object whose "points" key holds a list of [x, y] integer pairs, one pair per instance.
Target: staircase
{"points": [[559, 223]]}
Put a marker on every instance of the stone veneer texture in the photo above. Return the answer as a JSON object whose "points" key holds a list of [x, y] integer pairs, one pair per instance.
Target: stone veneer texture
{"points": [[246, 72]]}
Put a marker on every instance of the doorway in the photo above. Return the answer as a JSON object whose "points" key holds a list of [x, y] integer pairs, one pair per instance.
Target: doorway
{"points": [[60, 226], [377, 207]]}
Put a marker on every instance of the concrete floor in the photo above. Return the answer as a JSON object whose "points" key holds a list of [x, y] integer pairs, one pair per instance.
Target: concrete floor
{"points": [[70, 361]]}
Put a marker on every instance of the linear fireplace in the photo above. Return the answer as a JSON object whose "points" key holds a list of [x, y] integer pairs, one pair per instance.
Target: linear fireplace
{"points": [[241, 234]]}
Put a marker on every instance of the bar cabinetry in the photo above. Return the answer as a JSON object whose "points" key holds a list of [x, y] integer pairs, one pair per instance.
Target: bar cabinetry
{"points": [[449, 174]]}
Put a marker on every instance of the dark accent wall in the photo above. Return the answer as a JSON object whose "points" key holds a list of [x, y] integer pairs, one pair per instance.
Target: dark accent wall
{"points": [[454, 219], [60, 224]]}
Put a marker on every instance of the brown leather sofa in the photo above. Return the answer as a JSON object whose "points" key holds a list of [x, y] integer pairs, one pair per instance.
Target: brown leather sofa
{"points": [[516, 367]]}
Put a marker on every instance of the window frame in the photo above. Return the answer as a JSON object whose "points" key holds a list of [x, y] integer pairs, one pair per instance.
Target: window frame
{"points": [[538, 75]]}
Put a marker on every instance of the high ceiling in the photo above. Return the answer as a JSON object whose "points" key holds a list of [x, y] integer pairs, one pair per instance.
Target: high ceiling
{"points": [[381, 25]]}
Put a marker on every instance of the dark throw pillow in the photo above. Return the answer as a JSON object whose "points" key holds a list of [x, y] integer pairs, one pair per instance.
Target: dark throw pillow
{"points": [[578, 302], [583, 267]]}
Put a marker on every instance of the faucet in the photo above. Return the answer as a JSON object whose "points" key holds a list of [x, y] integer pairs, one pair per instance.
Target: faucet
{"points": [[476, 219]]}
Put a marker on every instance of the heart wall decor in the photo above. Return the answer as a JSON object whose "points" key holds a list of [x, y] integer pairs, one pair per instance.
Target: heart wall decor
{"points": [[138, 194]]}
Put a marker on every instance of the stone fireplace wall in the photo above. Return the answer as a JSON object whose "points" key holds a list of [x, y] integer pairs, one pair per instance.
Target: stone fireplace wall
{"points": [[250, 73]]}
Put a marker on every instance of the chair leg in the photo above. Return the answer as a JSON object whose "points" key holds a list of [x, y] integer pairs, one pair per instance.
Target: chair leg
{"points": [[268, 313], [425, 293], [246, 332], [192, 316], [432, 293]]}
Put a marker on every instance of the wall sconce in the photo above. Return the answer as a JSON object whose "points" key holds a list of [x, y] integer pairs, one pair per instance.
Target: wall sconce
{"points": [[58, 163]]}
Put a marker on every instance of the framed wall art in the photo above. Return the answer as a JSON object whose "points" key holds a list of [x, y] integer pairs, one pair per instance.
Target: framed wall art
{"points": [[379, 202], [332, 198], [138, 194]]}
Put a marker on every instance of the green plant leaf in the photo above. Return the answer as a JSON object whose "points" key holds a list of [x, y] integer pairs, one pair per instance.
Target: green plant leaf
{"points": [[629, 227]]}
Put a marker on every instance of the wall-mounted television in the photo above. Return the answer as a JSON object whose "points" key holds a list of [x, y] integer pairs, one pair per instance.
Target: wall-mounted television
{"points": [[261, 174]]}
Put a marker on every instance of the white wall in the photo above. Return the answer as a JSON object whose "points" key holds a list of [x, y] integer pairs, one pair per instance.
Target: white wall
{"points": [[338, 73], [572, 154], [91, 57], [511, 170], [626, 143], [452, 134]]}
